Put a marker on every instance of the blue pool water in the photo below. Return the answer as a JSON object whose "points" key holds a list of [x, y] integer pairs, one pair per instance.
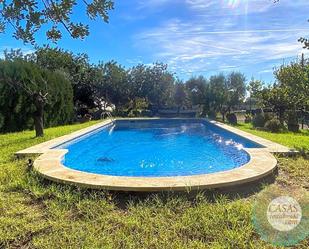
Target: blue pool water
{"points": [[157, 148]]}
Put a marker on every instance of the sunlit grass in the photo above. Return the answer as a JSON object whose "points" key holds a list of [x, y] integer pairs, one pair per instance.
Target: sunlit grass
{"points": [[292, 140]]}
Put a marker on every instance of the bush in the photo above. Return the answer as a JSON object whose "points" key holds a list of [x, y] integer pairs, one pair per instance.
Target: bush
{"points": [[133, 114], [136, 113], [16, 105], [259, 120], [292, 121], [268, 116], [120, 113], [231, 118], [273, 125]]}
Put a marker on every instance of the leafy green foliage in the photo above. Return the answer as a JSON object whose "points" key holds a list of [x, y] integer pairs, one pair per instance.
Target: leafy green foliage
{"points": [[28, 17], [79, 71], [254, 88], [180, 95], [225, 93], [294, 84], [273, 125], [292, 121], [16, 104], [82, 75], [231, 118], [236, 89], [218, 91], [259, 120], [248, 118], [154, 83], [198, 90], [289, 94], [116, 86], [113, 84]]}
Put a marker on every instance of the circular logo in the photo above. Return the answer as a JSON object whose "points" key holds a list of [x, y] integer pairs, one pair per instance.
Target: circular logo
{"points": [[281, 215], [284, 213]]}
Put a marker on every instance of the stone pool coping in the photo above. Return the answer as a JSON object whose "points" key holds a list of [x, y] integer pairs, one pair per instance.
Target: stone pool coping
{"points": [[49, 165]]}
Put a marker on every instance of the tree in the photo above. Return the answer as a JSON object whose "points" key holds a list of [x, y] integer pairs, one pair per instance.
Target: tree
{"points": [[27, 17], [159, 85], [154, 83], [113, 85], [218, 94], [293, 79], [236, 89], [137, 77], [197, 88], [293, 89], [290, 92], [275, 96], [82, 75], [180, 95], [28, 92], [255, 88]]}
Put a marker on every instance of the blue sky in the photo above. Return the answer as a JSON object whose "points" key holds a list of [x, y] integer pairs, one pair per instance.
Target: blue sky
{"points": [[194, 36]]}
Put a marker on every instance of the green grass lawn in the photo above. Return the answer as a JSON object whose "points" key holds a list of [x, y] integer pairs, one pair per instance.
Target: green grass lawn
{"points": [[35, 213], [292, 140]]}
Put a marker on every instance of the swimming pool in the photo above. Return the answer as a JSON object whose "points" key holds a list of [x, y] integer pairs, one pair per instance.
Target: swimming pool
{"points": [[157, 148], [148, 155]]}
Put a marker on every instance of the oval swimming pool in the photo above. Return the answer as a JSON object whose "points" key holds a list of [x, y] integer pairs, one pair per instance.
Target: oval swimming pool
{"points": [[157, 148]]}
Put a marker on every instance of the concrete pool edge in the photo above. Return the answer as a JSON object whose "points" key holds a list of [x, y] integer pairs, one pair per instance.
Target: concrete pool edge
{"points": [[49, 165]]}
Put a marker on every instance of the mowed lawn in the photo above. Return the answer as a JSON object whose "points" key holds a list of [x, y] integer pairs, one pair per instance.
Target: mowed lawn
{"points": [[35, 213], [298, 140]]}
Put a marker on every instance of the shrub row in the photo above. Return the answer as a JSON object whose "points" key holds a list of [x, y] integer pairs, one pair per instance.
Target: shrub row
{"points": [[273, 124]]}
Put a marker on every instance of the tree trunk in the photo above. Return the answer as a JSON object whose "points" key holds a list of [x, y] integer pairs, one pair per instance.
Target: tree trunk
{"points": [[39, 102], [302, 117], [223, 117], [39, 126], [281, 115]]}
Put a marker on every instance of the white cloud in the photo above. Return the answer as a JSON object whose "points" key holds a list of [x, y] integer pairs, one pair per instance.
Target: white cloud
{"points": [[201, 4], [219, 38], [266, 71], [236, 7]]}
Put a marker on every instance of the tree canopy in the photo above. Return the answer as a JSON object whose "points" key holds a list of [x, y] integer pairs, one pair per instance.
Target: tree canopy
{"points": [[22, 86], [134, 90], [27, 17]]}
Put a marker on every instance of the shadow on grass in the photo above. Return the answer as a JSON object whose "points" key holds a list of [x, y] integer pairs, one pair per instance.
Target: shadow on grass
{"points": [[231, 193], [123, 199]]}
